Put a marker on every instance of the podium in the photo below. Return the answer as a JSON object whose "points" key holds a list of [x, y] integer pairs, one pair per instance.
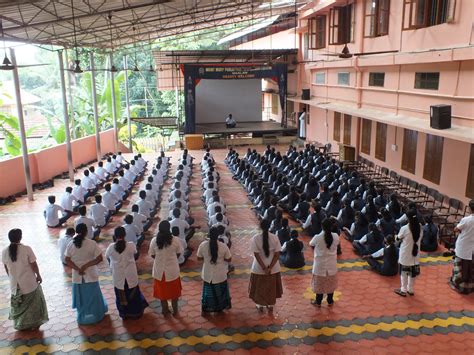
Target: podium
{"points": [[194, 141], [346, 152]]}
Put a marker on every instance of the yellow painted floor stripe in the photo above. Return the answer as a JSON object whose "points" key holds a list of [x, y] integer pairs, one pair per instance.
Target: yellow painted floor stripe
{"points": [[240, 338]]}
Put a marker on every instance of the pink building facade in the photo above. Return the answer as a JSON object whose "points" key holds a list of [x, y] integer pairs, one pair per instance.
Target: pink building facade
{"points": [[407, 55]]}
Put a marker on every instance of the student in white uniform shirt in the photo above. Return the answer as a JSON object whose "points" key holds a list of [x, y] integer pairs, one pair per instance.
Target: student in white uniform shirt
{"points": [[208, 193], [88, 222], [109, 167], [111, 200], [79, 192], [120, 255], [157, 177], [145, 207], [83, 255], [93, 175], [151, 196], [132, 232], [88, 183], [462, 279], [100, 214], [134, 168], [51, 213], [211, 208], [140, 220], [28, 306], [410, 236], [124, 182], [184, 214], [120, 158], [63, 242], [130, 175], [215, 256], [115, 163], [101, 172], [68, 201], [118, 190]]}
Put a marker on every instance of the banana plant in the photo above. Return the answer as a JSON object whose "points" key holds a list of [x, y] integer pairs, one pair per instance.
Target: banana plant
{"points": [[8, 127]]}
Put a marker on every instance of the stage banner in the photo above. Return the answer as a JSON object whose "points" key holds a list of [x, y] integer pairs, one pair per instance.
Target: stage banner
{"points": [[193, 73]]}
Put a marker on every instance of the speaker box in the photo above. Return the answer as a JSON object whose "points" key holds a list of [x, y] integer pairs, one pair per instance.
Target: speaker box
{"points": [[305, 94], [440, 116]]}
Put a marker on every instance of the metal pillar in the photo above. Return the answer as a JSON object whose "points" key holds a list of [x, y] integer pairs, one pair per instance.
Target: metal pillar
{"points": [[127, 102], [70, 164], [24, 147], [94, 104], [114, 109]]}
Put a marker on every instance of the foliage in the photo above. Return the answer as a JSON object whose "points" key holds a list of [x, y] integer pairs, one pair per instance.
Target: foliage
{"points": [[9, 124]]}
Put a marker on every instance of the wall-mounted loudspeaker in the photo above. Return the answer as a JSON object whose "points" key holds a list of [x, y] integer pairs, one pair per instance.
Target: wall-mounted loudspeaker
{"points": [[440, 116], [305, 94]]}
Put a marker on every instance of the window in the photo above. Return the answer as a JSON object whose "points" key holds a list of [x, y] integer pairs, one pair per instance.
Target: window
{"points": [[425, 13], [337, 126], [433, 158], [341, 25], [366, 136], [305, 46], [381, 141], [428, 81], [410, 139], [376, 17], [343, 78], [470, 175], [320, 78], [376, 79], [317, 32], [275, 100], [347, 129]]}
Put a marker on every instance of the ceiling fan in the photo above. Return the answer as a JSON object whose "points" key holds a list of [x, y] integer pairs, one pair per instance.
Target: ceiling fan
{"points": [[6, 63]]}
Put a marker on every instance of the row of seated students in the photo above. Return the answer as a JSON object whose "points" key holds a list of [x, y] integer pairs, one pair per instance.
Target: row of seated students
{"points": [[181, 222], [300, 180], [142, 211], [215, 206]]}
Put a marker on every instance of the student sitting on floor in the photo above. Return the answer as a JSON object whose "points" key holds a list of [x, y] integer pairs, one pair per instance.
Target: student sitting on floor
{"points": [[284, 233], [63, 241], [346, 215], [140, 220], [369, 243], [276, 222], [100, 214], [110, 200], [387, 224], [429, 242], [145, 207], [132, 232], [359, 228], [270, 212], [92, 233], [290, 201], [68, 201], [79, 192], [291, 254], [186, 231], [187, 252], [334, 205], [51, 212], [313, 224], [389, 256], [301, 211]]}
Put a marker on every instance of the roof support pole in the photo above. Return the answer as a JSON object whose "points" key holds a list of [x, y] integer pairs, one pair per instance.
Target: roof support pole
{"points": [[24, 147], [114, 108], [127, 102], [94, 104], [71, 102], [70, 164]]}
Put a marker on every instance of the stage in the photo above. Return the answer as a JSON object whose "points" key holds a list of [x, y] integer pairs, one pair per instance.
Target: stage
{"points": [[256, 129]]}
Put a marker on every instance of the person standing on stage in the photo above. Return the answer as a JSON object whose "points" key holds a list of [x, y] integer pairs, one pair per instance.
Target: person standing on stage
{"points": [[302, 124], [230, 122]]}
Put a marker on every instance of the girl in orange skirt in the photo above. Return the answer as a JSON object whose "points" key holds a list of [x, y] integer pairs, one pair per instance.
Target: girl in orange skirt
{"points": [[165, 250]]}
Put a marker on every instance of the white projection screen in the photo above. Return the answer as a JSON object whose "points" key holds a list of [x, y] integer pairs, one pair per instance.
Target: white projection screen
{"points": [[216, 98]]}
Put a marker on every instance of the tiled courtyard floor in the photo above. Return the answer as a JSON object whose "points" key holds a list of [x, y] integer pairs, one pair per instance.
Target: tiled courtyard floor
{"points": [[367, 318]]}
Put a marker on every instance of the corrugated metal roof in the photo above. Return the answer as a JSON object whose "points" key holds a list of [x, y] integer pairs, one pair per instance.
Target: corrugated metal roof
{"points": [[52, 22]]}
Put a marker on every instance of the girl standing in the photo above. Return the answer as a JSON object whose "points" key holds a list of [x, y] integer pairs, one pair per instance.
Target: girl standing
{"points": [[28, 307], [409, 256], [265, 279], [325, 264], [165, 250], [128, 297], [215, 255], [82, 256]]}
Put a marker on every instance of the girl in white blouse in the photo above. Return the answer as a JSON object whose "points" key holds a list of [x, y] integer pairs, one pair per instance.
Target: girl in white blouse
{"points": [[410, 236], [28, 306], [128, 297], [265, 279], [325, 263], [165, 250], [82, 256]]}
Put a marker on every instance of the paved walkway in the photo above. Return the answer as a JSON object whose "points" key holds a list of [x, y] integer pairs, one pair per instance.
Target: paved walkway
{"points": [[367, 318]]}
